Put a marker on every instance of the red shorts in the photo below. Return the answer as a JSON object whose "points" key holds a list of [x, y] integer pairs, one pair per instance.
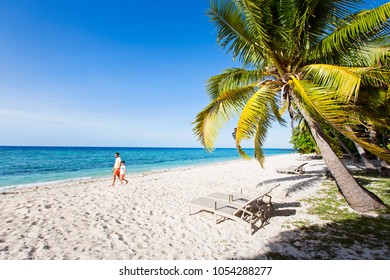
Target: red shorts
{"points": [[116, 172]]}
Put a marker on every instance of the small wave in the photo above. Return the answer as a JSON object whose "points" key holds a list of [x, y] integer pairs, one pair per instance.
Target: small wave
{"points": [[22, 186]]}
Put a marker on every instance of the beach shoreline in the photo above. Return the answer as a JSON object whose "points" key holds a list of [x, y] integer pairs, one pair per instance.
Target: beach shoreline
{"points": [[100, 178], [33, 166], [129, 174], [148, 218]]}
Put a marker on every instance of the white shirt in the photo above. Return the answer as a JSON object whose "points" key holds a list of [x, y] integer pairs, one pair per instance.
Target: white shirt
{"points": [[117, 162], [123, 169]]}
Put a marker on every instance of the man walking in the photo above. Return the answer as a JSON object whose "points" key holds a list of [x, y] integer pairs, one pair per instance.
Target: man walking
{"points": [[116, 168]]}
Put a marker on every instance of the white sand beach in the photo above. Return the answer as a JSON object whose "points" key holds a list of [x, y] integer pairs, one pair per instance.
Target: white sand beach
{"points": [[149, 218]]}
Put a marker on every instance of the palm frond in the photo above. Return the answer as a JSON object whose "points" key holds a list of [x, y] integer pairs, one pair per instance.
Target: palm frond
{"points": [[255, 119], [254, 17], [242, 30], [315, 98], [230, 79], [375, 54], [347, 81], [343, 80], [210, 120], [233, 34], [362, 27], [377, 78], [261, 132], [324, 106], [277, 111], [374, 106]]}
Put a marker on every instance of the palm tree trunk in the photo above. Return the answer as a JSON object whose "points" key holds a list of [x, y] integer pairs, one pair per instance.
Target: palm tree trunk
{"points": [[384, 166], [368, 166], [358, 198], [351, 155]]}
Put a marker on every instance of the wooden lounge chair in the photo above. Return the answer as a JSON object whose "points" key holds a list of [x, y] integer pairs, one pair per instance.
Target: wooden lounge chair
{"points": [[299, 170], [238, 207]]}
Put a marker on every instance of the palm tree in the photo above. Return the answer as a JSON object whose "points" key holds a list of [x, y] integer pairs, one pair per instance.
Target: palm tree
{"points": [[306, 55]]}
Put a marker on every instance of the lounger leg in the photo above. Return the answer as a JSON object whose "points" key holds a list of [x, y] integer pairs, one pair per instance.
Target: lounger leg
{"points": [[250, 224]]}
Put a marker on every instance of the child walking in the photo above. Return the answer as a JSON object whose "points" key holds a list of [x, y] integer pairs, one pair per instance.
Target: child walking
{"points": [[122, 172]]}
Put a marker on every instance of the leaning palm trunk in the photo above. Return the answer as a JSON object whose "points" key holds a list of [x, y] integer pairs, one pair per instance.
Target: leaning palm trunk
{"points": [[351, 155], [358, 198], [368, 166], [384, 166]]}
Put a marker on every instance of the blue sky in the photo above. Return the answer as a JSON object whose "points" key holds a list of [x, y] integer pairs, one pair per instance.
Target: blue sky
{"points": [[108, 73]]}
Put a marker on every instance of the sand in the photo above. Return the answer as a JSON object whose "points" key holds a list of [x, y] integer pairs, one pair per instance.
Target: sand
{"points": [[148, 218]]}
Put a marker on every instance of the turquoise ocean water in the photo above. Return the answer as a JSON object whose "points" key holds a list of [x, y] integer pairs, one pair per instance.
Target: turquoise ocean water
{"points": [[20, 166]]}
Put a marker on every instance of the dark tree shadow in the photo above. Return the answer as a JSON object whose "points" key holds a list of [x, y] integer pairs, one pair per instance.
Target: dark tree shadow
{"points": [[296, 183], [303, 185], [363, 238], [291, 178], [278, 205], [347, 237]]}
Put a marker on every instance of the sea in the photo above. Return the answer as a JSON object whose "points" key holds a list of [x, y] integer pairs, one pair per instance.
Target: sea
{"points": [[28, 166]]}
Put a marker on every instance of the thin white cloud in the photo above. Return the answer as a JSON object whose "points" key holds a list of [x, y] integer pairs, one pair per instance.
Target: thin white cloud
{"points": [[57, 117]]}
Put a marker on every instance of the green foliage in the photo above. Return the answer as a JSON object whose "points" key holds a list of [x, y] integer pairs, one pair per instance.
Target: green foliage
{"points": [[350, 145], [303, 142]]}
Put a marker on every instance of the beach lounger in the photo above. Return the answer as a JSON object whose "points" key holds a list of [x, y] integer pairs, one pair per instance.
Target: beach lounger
{"points": [[299, 170], [245, 195], [238, 207]]}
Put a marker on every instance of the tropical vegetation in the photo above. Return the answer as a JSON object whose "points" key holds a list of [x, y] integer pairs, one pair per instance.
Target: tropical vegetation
{"points": [[302, 141], [314, 58]]}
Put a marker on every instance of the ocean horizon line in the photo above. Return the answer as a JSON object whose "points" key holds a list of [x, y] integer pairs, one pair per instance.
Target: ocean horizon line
{"points": [[137, 147]]}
